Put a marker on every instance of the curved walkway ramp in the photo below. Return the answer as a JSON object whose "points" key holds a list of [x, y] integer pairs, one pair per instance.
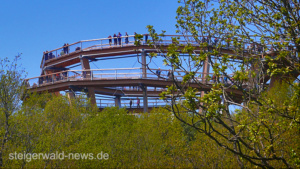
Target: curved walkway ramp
{"points": [[125, 82]]}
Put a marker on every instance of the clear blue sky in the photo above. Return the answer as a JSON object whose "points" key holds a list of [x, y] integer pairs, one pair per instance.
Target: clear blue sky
{"points": [[33, 26]]}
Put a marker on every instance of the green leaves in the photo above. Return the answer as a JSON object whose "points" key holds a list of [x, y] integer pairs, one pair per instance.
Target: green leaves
{"points": [[138, 39], [257, 43]]}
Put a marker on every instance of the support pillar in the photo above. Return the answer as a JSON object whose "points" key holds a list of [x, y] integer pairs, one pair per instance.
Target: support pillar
{"points": [[70, 96], [205, 70], [204, 74], [85, 65], [118, 101], [144, 68], [255, 82], [145, 98], [91, 95]]}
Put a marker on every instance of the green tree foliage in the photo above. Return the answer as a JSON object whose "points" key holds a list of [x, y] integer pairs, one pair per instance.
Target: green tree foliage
{"points": [[11, 90], [257, 42], [48, 124]]}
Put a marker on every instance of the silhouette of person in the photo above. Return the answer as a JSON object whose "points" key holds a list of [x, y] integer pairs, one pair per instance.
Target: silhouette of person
{"points": [[115, 39], [158, 72], [119, 38], [130, 103], [46, 55], [138, 102], [65, 48], [51, 55], [126, 38], [109, 40]]}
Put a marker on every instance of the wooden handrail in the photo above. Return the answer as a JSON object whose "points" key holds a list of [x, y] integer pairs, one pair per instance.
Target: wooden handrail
{"points": [[100, 39], [113, 69]]}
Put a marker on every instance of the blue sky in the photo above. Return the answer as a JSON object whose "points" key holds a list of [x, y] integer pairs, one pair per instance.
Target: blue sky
{"points": [[33, 26]]}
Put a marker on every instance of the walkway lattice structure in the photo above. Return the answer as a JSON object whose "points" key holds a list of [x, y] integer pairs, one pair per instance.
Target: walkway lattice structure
{"points": [[121, 83]]}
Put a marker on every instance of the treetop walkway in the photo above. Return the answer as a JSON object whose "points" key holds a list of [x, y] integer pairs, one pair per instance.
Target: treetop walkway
{"points": [[111, 74], [129, 82], [69, 54]]}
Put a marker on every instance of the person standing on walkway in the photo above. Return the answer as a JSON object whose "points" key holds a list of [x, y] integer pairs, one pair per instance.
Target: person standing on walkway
{"points": [[109, 40], [158, 72], [46, 55], [115, 39], [126, 38], [51, 55], [130, 103], [119, 38], [146, 38], [138, 102], [67, 49]]}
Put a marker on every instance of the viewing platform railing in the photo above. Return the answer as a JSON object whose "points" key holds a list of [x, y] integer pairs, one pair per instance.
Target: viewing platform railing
{"points": [[124, 41], [108, 74], [102, 103]]}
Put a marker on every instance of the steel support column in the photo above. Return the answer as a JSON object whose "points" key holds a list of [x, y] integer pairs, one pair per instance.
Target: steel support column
{"points": [[144, 67], [91, 94], [205, 73], [118, 101], [85, 64], [145, 98], [71, 96]]}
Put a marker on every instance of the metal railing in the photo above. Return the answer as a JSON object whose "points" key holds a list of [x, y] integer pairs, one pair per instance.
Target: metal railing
{"points": [[123, 41], [102, 103], [91, 74], [111, 74]]}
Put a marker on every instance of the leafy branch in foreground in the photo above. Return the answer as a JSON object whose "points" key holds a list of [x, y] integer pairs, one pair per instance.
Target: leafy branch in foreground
{"points": [[252, 48]]}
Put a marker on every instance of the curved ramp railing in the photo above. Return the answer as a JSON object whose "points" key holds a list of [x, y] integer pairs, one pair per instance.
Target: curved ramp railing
{"points": [[109, 74], [124, 41]]}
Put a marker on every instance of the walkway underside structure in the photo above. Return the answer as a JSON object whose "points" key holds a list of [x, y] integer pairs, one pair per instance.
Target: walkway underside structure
{"points": [[122, 86]]}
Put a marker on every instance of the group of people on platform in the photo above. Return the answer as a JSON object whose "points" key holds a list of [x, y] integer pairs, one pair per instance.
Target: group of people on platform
{"points": [[169, 74], [65, 50], [222, 79], [209, 41], [255, 47], [50, 78], [48, 55], [118, 39]]}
